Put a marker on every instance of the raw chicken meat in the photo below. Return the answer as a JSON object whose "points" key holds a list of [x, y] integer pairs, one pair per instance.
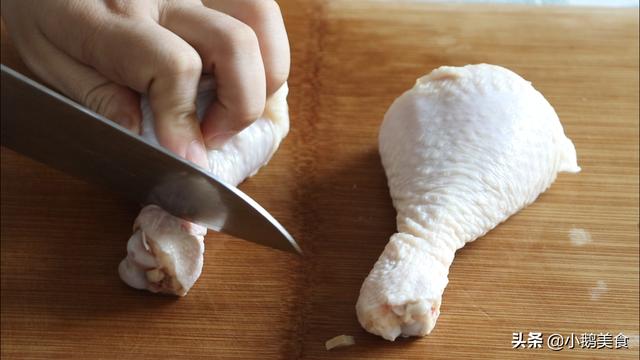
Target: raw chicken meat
{"points": [[463, 150], [165, 253]]}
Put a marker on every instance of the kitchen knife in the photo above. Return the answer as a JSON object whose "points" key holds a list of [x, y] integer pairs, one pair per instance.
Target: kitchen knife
{"points": [[48, 127]]}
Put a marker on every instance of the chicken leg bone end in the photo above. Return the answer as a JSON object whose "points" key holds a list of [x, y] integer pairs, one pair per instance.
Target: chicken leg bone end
{"points": [[402, 294]]}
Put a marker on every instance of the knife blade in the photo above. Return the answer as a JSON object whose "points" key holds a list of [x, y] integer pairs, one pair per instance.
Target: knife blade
{"points": [[48, 127]]}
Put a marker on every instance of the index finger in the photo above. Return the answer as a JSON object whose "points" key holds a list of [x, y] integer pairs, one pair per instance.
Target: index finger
{"points": [[157, 62]]}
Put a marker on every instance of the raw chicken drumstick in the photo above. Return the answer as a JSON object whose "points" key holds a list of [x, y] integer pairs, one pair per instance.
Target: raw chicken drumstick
{"points": [[165, 253], [463, 150]]}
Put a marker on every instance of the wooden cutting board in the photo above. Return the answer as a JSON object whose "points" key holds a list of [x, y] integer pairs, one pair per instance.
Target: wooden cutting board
{"points": [[567, 264]]}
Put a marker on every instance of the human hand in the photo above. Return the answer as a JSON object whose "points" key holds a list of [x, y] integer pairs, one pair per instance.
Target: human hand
{"points": [[104, 54]]}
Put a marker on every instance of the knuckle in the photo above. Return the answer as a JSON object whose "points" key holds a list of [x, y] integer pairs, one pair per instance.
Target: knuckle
{"points": [[263, 10], [186, 62], [101, 97], [120, 7], [241, 39]]}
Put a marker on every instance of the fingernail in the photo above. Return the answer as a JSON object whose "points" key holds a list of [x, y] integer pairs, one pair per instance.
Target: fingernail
{"points": [[197, 155], [219, 140]]}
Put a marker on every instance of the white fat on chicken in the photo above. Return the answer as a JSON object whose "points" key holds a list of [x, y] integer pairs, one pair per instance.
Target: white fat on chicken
{"points": [[165, 253], [463, 150]]}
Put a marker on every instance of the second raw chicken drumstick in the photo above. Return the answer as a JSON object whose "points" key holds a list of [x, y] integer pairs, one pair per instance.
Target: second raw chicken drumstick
{"points": [[463, 150]]}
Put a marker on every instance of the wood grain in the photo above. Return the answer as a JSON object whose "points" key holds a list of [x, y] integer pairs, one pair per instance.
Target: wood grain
{"points": [[62, 238]]}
